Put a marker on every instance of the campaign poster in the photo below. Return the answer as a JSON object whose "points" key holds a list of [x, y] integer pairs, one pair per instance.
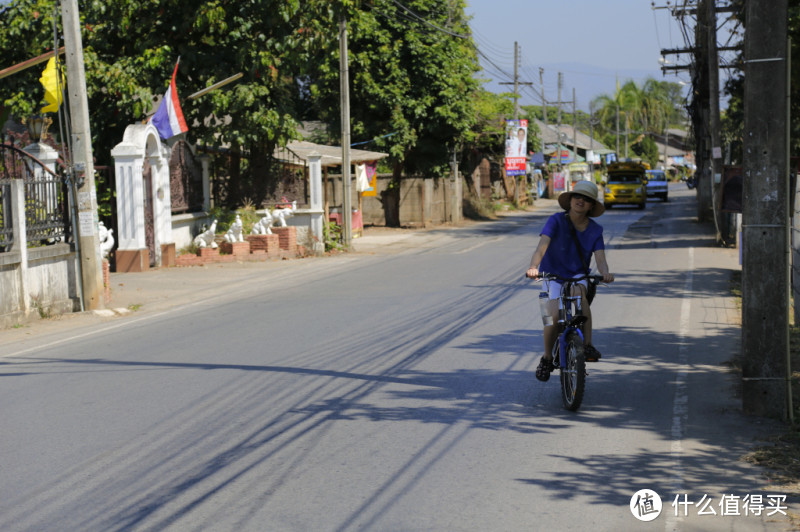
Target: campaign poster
{"points": [[516, 146], [559, 182]]}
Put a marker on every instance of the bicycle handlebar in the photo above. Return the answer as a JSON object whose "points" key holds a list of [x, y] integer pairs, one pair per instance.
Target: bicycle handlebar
{"points": [[552, 276]]}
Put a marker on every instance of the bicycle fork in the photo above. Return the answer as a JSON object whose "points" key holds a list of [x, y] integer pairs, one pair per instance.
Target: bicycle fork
{"points": [[573, 326]]}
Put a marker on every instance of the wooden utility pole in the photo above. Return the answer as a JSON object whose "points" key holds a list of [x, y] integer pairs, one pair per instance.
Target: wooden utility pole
{"points": [[344, 89], [766, 218], [82, 161]]}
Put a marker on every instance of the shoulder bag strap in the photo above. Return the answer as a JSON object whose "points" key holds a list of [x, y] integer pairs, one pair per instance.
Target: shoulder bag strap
{"points": [[577, 243]]}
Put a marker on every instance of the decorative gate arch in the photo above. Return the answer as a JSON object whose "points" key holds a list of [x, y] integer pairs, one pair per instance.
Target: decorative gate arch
{"points": [[141, 144]]}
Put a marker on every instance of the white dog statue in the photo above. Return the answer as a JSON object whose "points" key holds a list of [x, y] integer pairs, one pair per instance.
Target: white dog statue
{"points": [[206, 238], [263, 226], [106, 240], [279, 215], [234, 234]]}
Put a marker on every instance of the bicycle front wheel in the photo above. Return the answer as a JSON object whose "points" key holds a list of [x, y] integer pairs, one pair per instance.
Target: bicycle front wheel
{"points": [[573, 377]]}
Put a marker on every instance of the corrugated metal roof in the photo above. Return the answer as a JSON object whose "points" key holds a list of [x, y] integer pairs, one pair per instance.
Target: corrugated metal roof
{"points": [[331, 155], [583, 141]]}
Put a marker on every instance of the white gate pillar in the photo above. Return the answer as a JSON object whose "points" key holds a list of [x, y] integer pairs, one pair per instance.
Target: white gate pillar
{"points": [[44, 153], [140, 142], [315, 201]]}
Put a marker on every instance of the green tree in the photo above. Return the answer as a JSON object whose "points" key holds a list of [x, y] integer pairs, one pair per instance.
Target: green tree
{"points": [[647, 150], [733, 118], [131, 48], [412, 79], [487, 136], [648, 109], [412, 68]]}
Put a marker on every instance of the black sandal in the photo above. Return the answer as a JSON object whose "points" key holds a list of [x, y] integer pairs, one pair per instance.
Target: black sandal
{"points": [[591, 354], [544, 369]]}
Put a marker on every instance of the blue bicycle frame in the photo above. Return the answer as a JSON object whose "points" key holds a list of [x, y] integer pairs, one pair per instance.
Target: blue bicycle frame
{"points": [[569, 324]]}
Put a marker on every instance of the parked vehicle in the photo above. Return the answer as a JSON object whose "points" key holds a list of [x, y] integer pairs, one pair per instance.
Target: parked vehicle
{"points": [[625, 185], [657, 184], [578, 172]]}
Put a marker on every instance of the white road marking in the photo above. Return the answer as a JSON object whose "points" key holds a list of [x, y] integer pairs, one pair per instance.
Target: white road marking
{"points": [[680, 403]]}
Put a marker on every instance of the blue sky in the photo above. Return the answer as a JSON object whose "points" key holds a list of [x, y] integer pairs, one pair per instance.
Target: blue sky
{"points": [[593, 42]]}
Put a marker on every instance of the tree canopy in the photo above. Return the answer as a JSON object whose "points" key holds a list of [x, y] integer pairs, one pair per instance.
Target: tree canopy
{"points": [[412, 70], [733, 118], [644, 111]]}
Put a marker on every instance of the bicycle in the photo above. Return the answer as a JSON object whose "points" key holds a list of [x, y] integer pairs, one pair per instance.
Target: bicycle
{"points": [[569, 339]]}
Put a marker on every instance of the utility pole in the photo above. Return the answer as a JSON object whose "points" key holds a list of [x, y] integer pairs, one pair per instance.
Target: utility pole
{"points": [[558, 118], [82, 170], [701, 118], [766, 225], [516, 81], [574, 128], [715, 160], [344, 90], [627, 131], [544, 103], [617, 151], [591, 138]]}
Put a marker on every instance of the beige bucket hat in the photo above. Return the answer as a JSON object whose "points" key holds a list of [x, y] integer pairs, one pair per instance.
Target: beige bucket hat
{"points": [[584, 188]]}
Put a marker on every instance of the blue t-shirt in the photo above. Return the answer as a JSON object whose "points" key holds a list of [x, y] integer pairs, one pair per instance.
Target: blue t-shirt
{"points": [[562, 256]]}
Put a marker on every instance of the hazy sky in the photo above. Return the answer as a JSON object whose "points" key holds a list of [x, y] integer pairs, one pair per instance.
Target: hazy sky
{"points": [[591, 41]]}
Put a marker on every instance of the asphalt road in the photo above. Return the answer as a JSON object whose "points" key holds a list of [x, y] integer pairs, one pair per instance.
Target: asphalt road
{"points": [[391, 389]]}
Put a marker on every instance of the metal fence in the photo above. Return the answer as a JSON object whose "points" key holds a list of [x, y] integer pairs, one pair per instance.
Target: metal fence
{"points": [[46, 199], [6, 221]]}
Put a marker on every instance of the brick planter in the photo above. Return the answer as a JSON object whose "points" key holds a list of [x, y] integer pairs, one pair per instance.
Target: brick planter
{"points": [[282, 244], [269, 244], [207, 253], [287, 238], [237, 249]]}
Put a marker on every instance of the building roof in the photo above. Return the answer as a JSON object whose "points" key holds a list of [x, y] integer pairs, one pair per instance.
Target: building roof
{"points": [[331, 155], [550, 135]]}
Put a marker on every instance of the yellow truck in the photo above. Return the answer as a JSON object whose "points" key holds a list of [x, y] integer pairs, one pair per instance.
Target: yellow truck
{"points": [[626, 185]]}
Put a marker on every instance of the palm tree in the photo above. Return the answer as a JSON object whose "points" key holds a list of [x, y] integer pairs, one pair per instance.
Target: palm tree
{"points": [[647, 109]]}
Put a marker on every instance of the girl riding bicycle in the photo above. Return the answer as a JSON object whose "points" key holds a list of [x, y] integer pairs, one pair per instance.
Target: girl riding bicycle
{"points": [[566, 245]]}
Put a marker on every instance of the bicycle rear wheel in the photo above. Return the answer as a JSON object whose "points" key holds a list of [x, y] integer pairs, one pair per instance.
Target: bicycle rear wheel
{"points": [[573, 377]]}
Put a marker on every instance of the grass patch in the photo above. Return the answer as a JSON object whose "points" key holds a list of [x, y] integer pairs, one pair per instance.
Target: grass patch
{"points": [[479, 209]]}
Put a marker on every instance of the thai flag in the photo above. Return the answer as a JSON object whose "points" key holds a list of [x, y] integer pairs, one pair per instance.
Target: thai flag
{"points": [[168, 119]]}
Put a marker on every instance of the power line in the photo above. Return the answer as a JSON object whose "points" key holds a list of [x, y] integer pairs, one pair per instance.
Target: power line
{"points": [[431, 24]]}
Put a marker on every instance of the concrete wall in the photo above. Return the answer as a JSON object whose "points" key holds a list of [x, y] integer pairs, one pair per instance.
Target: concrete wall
{"points": [[422, 201], [36, 282]]}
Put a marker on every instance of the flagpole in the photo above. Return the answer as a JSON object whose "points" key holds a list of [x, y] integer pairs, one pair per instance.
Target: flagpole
{"points": [[29, 63], [215, 86]]}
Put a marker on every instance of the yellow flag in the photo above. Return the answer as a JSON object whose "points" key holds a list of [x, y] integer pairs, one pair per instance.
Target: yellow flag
{"points": [[53, 87]]}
